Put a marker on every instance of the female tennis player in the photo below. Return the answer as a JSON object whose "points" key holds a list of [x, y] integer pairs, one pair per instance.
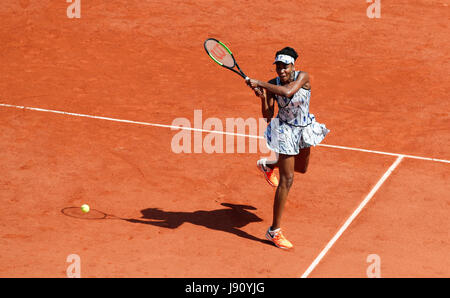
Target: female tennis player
{"points": [[290, 134]]}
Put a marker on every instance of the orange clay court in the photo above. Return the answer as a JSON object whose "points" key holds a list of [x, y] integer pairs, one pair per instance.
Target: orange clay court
{"points": [[379, 184]]}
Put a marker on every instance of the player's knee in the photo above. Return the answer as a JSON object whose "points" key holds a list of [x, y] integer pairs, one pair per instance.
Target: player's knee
{"points": [[287, 180]]}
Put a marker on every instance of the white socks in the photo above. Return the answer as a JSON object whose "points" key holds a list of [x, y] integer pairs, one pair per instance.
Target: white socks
{"points": [[263, 162], [273, 232]]}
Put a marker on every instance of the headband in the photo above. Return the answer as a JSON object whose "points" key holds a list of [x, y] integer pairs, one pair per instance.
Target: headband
{"points": [[286, 59]]}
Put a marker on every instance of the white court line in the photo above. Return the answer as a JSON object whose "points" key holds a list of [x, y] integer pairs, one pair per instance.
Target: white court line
{"points": [[352, 217], [173, 127], [385, 153]]}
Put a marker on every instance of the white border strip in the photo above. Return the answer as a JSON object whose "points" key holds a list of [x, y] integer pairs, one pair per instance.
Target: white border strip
{"points": [[352, 217], [173, 127]]}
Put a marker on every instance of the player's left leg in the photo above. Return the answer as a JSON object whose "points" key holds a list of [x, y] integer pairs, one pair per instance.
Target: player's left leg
{"points": [[267, 168], [302, 160]]}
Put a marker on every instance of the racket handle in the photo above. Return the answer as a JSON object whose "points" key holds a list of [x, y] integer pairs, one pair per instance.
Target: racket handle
{"points": [[247, 79]]}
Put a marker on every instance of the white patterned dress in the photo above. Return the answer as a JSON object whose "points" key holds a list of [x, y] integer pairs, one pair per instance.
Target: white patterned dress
{"points": [[294, 128]]}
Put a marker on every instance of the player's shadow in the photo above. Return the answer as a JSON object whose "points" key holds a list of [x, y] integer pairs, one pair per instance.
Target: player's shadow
{"points": [[228, 220]]}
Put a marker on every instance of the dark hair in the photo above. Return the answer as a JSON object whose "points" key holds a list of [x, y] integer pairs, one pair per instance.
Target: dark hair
{"points": [[287, 51]]}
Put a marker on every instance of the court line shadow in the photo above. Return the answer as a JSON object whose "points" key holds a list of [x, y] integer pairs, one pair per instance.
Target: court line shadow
{"points": [[228, 220]]}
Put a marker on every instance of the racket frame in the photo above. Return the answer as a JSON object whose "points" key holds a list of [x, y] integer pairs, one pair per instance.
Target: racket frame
{"points": [[240, 72]]}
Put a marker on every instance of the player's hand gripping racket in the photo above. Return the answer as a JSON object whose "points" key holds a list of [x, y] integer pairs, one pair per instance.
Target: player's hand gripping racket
{"points": [[222, 55]]}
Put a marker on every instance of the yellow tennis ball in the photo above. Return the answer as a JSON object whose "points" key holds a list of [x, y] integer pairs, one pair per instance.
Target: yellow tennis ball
{"points": [[85, 208]]}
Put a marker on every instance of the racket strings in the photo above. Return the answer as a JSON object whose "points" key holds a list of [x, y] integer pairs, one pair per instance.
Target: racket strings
{"points": [[219, 53]]}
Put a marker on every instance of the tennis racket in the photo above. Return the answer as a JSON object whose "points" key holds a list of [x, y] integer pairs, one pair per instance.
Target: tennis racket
{"points": [[222, 55]]}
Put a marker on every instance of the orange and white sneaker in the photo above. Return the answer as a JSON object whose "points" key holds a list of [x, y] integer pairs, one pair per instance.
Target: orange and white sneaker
{"points": [[269, 174], [277, 238]]}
